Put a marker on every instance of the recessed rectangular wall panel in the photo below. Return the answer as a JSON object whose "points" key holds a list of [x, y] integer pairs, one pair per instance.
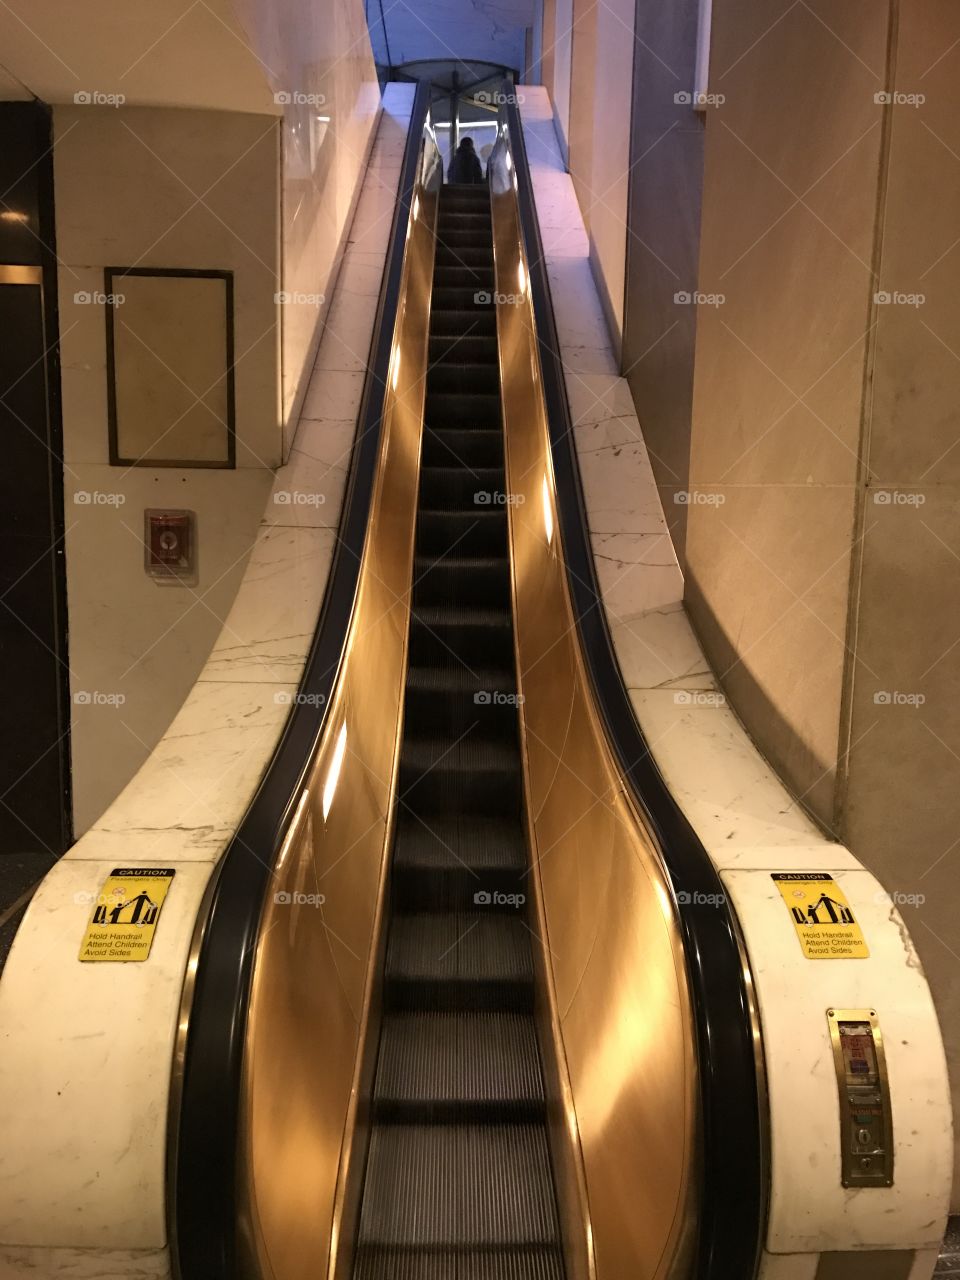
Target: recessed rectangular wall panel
{"points": [[170, 367]]}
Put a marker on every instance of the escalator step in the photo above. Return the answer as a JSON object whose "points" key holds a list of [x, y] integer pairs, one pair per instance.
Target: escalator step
{"points": [[454, 235], [459, 487], [440, 865], [469, 347], [464, 1067], [458, 961], [472, 638], [457, 377], [464, 277], [461, 298], [464, 255], [479, 531], [478, 410], [479, 846], [474, 581], [453, 700], [480, 448], [470, 775], [467, 1186], [515, 1263], [474, 319]]}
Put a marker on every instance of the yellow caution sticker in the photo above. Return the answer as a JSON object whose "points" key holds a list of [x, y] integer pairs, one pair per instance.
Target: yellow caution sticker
{"points": [[125, 914], [822, 916]]}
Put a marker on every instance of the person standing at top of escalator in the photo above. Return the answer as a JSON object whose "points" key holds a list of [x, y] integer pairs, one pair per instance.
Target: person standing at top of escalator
{"points": [[465, 165]]}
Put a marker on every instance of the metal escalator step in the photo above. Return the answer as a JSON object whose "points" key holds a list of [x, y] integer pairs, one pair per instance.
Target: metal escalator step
{"points": [[461, 298], [482, 447], [477, 960], [477, 581], [469, 347], [449, 319], [481, 846], [467, 1186], [473, 775], [441, 865], [513, 1263], [459, 487], [481, 409], [458, 1067], [454, 234], [464, 256], [481, 530], [463, 276], [473, 638], [485, 709], [457, 377]]}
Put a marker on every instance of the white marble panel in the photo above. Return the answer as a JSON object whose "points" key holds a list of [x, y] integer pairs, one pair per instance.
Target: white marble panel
{"points": [[268, 630], [194, 787], [84, 1264], [85, 1068], [810, 1212]]}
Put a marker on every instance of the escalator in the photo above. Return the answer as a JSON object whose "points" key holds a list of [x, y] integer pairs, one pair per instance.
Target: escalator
{"points": [[458, 1182], [443, 1018]]}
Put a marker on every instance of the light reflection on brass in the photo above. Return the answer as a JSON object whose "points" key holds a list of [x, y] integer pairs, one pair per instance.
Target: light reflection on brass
{"points": [[315, 959], [619, 1009]]}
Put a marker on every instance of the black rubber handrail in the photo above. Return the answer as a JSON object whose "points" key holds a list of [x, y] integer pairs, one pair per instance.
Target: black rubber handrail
{"points": [[203, 1199], [733, 1179]]}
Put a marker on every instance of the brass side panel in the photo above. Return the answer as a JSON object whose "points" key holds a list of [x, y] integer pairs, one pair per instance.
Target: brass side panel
{"points": [[319, 930], [620, 1009]]}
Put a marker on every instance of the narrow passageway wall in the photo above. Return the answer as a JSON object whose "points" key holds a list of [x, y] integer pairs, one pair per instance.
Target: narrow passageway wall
{"points": [[228, 139], [822, 573], [800, 410], [663, 244], [588, 69]]}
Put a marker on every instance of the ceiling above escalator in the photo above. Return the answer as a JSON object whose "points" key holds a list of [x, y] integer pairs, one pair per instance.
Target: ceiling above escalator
{"points": [[452, 34]]}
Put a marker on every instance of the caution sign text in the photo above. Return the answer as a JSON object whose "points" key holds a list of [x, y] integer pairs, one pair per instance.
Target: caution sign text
{"points": [[822, 916], [125, 914]]}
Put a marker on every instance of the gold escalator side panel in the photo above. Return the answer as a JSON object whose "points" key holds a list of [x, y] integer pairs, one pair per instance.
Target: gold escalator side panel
{"points": [[313, 992], [618, 1009]]}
